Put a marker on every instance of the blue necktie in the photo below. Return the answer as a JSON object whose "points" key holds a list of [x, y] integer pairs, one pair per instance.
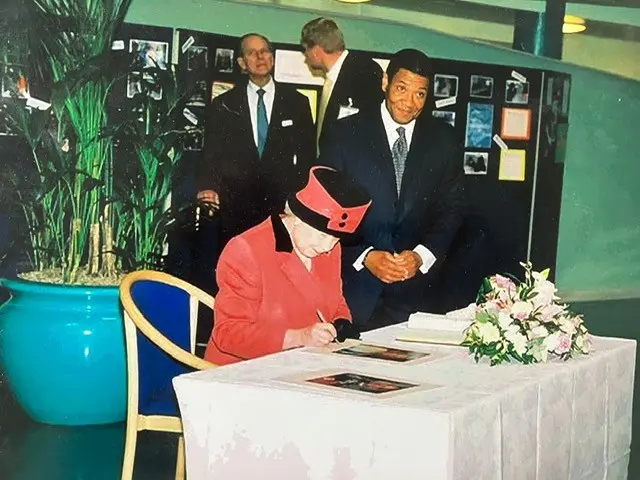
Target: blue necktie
{"points": [[263, 123]]}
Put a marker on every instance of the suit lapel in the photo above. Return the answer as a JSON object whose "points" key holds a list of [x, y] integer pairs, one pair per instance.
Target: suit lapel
{"points": [[241, 106], [275, 122], [419, 153]]}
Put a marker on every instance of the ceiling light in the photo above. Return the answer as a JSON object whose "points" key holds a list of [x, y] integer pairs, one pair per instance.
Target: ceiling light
{"points": [[353, 1], [573, 24]]}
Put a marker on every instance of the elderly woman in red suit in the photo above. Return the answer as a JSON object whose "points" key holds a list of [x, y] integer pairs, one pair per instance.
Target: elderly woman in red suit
{"points": [[280, 282]]}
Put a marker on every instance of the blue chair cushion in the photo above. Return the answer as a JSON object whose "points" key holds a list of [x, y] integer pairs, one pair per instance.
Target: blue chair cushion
{"points": [[167, 309]]}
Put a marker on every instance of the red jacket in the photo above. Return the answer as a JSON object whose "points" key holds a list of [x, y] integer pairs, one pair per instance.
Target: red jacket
{"points": [[266, 290]]}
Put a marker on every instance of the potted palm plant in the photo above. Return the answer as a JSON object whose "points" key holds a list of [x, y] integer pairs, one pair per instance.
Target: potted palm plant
{"points": [[61, 340]]}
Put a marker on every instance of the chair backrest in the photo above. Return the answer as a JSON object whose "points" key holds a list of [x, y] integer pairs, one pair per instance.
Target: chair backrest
{"points": [[160, 325]]}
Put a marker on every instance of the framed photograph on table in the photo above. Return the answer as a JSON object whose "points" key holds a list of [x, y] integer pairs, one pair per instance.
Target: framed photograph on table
{"points": [[516, 124]]}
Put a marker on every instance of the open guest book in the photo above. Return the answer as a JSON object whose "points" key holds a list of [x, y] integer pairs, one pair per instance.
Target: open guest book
{"points": [[445, 329]]}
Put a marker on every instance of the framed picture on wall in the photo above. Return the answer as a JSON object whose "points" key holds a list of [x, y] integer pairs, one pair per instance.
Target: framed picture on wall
{"points": [[224, 60], [481, 86], [516, 124], [447, 115], [197, 58], [516, 92], [150, 53], [476, 163], [445, 85]]}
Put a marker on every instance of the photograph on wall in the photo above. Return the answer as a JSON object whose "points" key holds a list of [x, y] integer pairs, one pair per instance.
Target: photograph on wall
{"points": [[446, 115], [516, 92], [551, 115], [199, 94], [512, 165], [150, 53], [481, 86], [138, 83], [291, 67], [381, 352], [445, 86], [13, 83], [224, 60], [218, 88], [383, 62], [197, 58], [194, 138], [516, 124], [476, 163], [312, 95], [479, 125]]}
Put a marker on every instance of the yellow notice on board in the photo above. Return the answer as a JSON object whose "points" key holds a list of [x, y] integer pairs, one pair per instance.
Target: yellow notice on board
{"points": [[312, 95], [512, 165]]}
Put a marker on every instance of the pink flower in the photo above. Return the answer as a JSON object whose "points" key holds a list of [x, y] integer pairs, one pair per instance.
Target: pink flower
{"points": [[564, 344]]}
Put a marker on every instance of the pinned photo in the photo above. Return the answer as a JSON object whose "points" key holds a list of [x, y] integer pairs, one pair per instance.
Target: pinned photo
{"points": [[446, 115], [445, 86], [224, 60], [197, 58], [194, 138], [218, 88], [479, 125], [481, 86], [517, 92], [145, 83], [199, 95], [150, 54], [476, 163]]}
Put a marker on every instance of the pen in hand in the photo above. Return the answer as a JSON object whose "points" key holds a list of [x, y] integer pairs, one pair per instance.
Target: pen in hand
{"points": [[323, 320]]}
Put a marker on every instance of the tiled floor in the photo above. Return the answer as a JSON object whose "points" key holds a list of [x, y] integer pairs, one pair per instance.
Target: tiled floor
{"points": [[29, 451]]}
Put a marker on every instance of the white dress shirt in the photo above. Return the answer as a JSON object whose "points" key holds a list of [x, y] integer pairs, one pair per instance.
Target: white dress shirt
{"points": [[390, 127], [252, 96]]}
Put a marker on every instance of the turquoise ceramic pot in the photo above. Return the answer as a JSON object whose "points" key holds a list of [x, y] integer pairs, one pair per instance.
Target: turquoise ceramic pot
{"points": [[63, 354]]}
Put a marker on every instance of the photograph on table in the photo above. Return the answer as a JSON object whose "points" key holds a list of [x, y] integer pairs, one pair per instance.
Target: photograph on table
{"points": [[481, 86], [197, 57], [445, 85], [516, 92], [224, 60], [381, 352], [138, 83], [479, 125], [512, 165], [446, 115], [150, 53], [218, 88], [516, 124], [476, 163]]}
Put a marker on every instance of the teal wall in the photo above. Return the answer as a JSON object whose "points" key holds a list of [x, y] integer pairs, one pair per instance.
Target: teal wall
{"points": [[599, 244]]}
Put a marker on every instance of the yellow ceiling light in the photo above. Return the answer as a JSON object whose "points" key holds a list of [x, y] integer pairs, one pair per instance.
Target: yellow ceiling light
{"points": [[573, 24], [353, 1]]}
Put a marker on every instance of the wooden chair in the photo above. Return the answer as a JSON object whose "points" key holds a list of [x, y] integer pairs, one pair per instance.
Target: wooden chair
{"points": [[160, 319]]}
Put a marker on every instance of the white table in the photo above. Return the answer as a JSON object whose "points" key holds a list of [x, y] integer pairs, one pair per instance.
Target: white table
{"points": [[557, 421]]}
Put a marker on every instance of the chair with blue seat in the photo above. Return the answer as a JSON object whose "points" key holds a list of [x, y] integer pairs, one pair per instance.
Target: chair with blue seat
{"points": [[160, 317]]}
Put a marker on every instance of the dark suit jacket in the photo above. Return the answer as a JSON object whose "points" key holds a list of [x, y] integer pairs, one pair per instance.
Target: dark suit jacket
{"points": [[359, 84], [250, 187], [429, 210]]}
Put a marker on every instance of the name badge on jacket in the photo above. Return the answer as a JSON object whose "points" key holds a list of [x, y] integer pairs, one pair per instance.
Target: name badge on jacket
{"points": [[287, 123]]}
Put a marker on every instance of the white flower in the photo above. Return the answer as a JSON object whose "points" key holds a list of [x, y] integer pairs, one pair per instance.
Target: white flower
{"points": [[548, 312], [504, 319], [551, 342], [538, 332], [488, 332], [518, 341], [545, 293], [521, 310], [567, 326]]}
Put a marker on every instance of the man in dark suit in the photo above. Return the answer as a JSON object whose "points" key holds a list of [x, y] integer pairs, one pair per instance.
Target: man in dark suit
{"points": [[412, 167], [352, 79], [259, 144]]}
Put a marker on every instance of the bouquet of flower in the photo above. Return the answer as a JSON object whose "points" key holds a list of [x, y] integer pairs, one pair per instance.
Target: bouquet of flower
{"points": [[524, 321]]}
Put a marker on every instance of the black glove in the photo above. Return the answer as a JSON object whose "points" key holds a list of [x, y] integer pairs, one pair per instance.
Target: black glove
{"points": [[345, 329]]}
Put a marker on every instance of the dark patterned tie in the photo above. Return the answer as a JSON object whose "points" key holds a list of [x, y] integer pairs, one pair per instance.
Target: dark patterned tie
{"points": [[399, 152], [263, 123]]}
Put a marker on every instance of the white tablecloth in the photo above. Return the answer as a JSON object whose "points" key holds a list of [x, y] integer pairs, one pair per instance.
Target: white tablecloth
{"points": [[563, 420]]}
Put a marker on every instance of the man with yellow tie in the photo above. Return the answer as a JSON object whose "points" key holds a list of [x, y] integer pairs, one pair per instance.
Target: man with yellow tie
{"points": [[353, 81]]}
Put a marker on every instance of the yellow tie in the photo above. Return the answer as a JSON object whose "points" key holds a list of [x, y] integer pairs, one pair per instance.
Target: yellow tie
{"points": [[324, 100]]}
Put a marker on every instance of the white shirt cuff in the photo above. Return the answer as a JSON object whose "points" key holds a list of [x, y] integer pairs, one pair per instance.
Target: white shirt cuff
{"points": [[428, 259], [359, 263]]}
